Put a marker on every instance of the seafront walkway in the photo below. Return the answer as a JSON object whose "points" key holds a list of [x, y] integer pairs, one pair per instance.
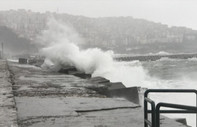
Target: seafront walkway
{"points": [[32, 97]]}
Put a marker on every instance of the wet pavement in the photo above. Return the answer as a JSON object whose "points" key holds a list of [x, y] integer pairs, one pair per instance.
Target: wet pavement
{"points": [[51, 99]]}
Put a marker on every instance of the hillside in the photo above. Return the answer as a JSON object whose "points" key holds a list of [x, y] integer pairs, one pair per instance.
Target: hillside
{"points": [[14, 44], [121, 34]]}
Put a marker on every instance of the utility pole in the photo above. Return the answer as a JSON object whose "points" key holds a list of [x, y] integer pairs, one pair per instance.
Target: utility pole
{"points": [[2, 50]]}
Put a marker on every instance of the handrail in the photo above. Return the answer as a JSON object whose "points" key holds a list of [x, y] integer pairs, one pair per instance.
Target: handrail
{"points": [[169, 90], [155, 111], [192, 109], [146, 121]]}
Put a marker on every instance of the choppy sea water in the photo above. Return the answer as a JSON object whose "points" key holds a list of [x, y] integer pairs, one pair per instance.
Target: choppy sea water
{"points": [[170, 74], [164, 73]]}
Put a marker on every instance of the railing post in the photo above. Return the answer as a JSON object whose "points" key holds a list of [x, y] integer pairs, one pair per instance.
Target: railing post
{"points": [[145, 109], [157, 118], [145, 113], [153, 114], [146, 100], [196, 106]]}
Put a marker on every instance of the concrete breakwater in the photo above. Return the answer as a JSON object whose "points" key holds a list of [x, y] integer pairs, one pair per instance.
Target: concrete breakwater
{"points": [[154, 57], [105, 87], [51, 99]]}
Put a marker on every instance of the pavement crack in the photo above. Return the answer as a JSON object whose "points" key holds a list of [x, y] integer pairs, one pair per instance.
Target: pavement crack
{"points": [[105, 109]]}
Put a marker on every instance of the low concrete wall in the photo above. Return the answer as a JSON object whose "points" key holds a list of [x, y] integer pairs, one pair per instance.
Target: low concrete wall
{"points": [[130, 94]]}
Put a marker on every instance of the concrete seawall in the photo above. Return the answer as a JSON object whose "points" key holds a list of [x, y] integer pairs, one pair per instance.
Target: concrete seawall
{"points": [[8, 114], [49, 99]]}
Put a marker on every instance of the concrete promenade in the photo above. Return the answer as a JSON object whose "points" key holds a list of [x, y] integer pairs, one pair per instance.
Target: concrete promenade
{"points": [[49, 99]]}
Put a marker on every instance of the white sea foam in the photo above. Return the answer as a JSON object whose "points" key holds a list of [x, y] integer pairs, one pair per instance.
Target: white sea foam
{"points": [[160, 53], [192, 59], [169, 59]]}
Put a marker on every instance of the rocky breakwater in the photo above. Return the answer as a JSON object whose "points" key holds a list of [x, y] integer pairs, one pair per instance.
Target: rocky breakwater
{"points": [[51, 99]]}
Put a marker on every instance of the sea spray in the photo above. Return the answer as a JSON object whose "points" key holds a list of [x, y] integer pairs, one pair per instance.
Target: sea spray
{"points": [[61, 49], [89, 61], [56, 32]]}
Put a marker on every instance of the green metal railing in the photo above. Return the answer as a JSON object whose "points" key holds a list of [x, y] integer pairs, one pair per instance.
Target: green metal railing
{"points": [[155, 110]]}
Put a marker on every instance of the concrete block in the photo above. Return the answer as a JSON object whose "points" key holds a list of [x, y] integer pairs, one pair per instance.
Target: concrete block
{"points": [[130, 94], [115, 85], [66, 70], [181, 120], [79, 74], [141, 92], [22, 61], [100, 80]]}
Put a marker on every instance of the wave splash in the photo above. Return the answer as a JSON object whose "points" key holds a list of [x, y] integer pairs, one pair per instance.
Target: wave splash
{"points": [[61, 49]]}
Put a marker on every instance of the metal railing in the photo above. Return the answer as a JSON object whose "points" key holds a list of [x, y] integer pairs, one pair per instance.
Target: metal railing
{"points": [[155, 111]]}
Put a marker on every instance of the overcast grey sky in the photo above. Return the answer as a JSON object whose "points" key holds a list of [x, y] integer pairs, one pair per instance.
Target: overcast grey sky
{"points": [[171, 12]]}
